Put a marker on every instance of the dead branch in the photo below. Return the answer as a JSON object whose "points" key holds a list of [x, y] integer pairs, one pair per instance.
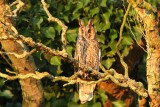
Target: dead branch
{"points": [[118, 79], [24, 54], [19, 4], [54, 19]]}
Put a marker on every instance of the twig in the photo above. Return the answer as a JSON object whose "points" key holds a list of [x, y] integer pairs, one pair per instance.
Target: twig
{"points": [[37, 76], [4, 57], [19, 5], [24, 54], [11, 72], [119, 41], [54, 19]]}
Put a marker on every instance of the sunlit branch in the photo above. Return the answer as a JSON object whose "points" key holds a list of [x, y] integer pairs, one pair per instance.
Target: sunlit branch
{"points": [[118, 79], [19, 4], [111, 74], [24, 54], [54, 19], [120, 40]]}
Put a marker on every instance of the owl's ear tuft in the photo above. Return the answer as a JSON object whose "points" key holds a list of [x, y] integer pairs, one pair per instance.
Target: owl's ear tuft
{"points": [[81, 22], [90, 23]]}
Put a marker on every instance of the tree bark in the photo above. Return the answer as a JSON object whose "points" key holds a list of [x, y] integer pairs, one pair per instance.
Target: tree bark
{"points": [[31, 89], [149, 17]]}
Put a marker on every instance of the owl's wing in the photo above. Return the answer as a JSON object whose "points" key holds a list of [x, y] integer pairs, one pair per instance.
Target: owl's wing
{"points": [[93, 55], [80, 50]]}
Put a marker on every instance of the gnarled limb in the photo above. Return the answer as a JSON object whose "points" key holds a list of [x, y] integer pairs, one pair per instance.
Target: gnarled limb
{"points": [[22, 65], [148, 15]]}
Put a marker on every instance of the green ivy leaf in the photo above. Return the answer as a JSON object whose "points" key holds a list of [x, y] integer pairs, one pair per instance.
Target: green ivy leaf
{"points": [[85, 2], [101, 27], [94, 11], [103, 47], [106, 17], [103, 3], [75, 97], [49, 32], [6, 93], [103, 95], [125, 51], [73, 104], [108, 63], [58, 28], [98, 104], [2, 82], [120, 14], [60, 8], [127, 40], [48, 95], [101, 38], [137, 33], [65, 16], [68, 6], [112, 45], [113, 34], [69, 50], [78, 6], [37, 21], [110, 53], [72, 35], [75, 16], [96, 18], [118, 103], [55, 60], [86, 9]]}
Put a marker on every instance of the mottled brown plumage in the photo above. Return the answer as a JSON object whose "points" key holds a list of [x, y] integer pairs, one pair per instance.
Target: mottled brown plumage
{"points": [[87, 52]]}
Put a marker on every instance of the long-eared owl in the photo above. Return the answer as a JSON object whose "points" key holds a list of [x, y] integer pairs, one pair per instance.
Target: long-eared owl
{"points": [[87, 53]]}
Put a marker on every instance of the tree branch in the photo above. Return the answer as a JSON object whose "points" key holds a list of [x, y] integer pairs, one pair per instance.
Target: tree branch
{"points": [[54, 19], [118, 79], [120, 40]]}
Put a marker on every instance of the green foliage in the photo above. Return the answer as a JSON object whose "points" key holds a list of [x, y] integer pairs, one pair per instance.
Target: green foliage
{"points": [[49, 32], [107, 17], [55, 60], [102, 95], [72, 35], [108, 63], [118, 103], [6, 93]]}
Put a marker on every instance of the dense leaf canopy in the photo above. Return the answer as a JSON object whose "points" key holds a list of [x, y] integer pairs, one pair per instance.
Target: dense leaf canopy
{"points": [[107, 16]]}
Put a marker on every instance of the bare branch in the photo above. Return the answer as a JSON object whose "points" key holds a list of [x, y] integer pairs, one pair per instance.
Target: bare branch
{"points": [[118, 79], [24, 54], [19, 5], [120, 40], [54, 19]]}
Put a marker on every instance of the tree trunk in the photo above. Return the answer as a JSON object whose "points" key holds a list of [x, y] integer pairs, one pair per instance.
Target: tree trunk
{"points": [[150, 20], [31, 89]]}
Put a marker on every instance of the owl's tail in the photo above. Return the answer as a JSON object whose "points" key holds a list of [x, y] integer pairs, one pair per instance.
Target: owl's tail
{"points": [[86, 92]]}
